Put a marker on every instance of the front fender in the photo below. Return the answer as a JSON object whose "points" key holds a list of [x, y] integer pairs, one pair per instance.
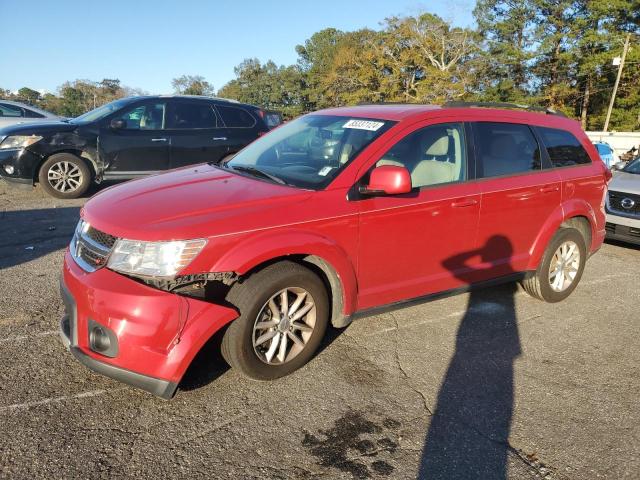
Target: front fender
{"points": [[267, 246]]}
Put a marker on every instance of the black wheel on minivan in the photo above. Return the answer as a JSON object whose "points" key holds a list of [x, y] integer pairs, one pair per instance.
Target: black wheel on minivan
{"points": [[560, 269], [284, 312], [64, 175]]}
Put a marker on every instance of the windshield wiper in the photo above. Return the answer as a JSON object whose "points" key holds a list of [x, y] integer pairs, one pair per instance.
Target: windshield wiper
{"points": [[257, 172]]}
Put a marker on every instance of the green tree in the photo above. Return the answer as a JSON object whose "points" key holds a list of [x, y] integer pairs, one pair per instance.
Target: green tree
{"points": [[28, 95], [192, 85]]}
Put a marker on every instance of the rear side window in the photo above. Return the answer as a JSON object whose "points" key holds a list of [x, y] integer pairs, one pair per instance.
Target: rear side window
{"points": [[505, 149], [191, 115], [10, 111], [236, 117], [563, 148]]}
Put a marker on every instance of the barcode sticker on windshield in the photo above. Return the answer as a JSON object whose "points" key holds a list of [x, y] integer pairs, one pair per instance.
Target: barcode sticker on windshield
{"points": [[363, 125], [324, 171]]}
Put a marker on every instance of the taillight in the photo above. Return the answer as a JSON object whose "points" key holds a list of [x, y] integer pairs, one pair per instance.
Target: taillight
{"points": [[261, 113], [607, 175]]}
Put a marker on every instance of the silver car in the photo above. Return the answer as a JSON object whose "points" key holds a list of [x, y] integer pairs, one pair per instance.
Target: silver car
{"points": [[623, 204], [16, 112]]}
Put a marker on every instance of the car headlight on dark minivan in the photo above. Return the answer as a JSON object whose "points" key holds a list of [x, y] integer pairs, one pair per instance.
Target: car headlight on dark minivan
{"points": [[153, 259], [19, 141]]}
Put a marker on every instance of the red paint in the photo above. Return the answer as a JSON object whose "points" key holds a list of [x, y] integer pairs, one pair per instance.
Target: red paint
{"points": [[383, 248], [390, 180]]}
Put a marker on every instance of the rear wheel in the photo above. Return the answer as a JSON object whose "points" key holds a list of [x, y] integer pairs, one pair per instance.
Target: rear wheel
{"points": [[64, 175], [284, 311], [561, 267]]}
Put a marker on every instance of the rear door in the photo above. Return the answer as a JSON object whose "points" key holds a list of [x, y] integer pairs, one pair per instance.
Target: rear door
{"points": [[242, 126], [518, 194], [141, 146], [197, 134]]}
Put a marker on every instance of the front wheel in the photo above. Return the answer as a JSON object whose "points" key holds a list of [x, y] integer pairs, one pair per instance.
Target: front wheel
{"points": [[64, 175], [284, 312], [560, 269]]}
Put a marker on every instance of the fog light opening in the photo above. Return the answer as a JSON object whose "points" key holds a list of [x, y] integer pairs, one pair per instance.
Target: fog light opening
{"points": [[99, 340], [9, 169]]}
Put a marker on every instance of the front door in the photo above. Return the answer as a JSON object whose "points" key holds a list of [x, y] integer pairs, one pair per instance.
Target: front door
{"points": [[197, 135], [141, 146], [409, 242]]}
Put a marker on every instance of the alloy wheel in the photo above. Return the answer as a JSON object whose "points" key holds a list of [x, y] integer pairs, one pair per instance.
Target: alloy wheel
{"points": [[564, 266], [65, 177], [284, 326]]}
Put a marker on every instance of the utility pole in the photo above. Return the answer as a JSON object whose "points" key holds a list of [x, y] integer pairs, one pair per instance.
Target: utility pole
{"points": [[615, 86]]}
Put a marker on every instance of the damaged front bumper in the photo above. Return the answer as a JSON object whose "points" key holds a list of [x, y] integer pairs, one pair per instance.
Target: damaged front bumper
{"points": [[153, 334]]}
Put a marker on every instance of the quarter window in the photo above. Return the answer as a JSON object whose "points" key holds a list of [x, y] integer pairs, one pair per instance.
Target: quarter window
{"points": [[433, 155], [149, 116], [563, 148], [505, 149], [236, 117], [31, 114], [192, 115]]}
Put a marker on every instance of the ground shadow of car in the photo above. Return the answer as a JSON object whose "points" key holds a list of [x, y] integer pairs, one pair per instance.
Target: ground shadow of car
{"points": [[31, 234], [469, 430]]}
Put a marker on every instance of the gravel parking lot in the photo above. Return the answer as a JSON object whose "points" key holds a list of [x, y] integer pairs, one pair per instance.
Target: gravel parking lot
{"points": [[491, 384]]}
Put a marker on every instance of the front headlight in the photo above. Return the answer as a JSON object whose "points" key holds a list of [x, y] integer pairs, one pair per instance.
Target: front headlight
{"points": [[19, 141], [153, 259]]}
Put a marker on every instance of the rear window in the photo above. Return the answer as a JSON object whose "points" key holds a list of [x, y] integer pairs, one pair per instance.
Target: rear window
{"points": [[563, 148], [236, 117]]}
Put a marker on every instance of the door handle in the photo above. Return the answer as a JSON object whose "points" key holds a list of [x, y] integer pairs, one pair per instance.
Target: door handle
{"points": [[467, 202], [219, 138], [158, 139], [549, 189]]}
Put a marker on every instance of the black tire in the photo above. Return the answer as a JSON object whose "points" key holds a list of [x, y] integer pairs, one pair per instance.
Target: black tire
{"points": [[77, 185], [249, 297], [538, 285]]}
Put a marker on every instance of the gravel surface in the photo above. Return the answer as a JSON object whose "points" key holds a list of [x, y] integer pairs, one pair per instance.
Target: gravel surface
{"points": [[491, 384]]}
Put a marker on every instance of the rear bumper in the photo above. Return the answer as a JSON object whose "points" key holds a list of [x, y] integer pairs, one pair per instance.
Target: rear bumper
{"points": [[158, 333]]}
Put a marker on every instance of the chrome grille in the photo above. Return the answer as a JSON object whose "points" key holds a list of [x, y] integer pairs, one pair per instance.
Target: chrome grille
{"points": [[626, 203], [90, 248]]}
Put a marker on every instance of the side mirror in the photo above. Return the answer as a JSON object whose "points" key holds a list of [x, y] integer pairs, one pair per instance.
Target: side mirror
{"points": [[388, 180], [117, 124]]}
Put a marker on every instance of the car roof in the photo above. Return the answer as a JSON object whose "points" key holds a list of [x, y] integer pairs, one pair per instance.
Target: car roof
{"points": [[191, 97], [29, 107], [401, 111]]}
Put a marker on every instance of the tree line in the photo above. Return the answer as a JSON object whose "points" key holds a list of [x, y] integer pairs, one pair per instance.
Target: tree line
{"points": [[552, 53]]}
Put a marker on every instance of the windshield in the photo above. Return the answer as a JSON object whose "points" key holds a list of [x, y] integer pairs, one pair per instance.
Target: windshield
{"points": [[102, 111], [308, 152], [633, 166]]}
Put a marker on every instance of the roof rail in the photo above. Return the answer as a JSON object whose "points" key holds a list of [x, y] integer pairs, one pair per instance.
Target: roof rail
{"points": [[513, 106]]}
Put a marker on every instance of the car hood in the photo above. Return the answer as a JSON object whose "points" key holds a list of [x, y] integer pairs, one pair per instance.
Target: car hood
{"points": [[194, 202], [37, 128], [625, 182]]}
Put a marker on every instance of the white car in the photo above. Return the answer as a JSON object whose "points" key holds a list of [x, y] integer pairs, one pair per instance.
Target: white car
{"points": [[16, 112], [623, 204]]}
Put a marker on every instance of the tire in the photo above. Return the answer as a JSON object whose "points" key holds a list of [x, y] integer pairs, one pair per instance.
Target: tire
{"points": [[252, 297], [64, 175], [541, 285]]}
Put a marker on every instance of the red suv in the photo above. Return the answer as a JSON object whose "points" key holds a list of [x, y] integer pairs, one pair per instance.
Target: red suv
{"points": [[336, 214]]}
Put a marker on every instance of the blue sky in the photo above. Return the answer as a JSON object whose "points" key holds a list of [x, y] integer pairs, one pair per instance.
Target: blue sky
{"points": [[147, 43]]}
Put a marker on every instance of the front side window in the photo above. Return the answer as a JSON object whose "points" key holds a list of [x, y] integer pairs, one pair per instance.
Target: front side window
{"points": [[31, 114], [149, 116], [7, 110], [191, 115], [433, 155], [505, 149], [308, 152], [563, 148], [236, 117]]}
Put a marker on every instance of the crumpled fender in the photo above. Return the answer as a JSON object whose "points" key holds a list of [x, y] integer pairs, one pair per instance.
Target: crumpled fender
{"points": [[262, 247]]}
